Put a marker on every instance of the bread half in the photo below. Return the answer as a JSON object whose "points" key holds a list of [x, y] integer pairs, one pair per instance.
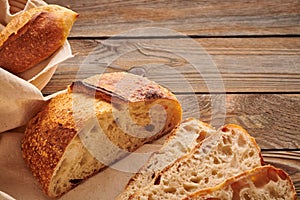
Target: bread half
{"points": [[228, 152], [34, 35], [266, 182], [182, 140], [95, 123]]}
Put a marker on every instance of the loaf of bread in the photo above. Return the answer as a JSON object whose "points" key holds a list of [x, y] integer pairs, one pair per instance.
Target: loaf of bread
{"points": [[34, 35], [222, 155], [93, 124], [265, 182], [182, 140]]}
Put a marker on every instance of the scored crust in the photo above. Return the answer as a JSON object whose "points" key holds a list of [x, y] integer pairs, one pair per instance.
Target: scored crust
{"points": [[34, 35], [49, 134], [121, 86]]}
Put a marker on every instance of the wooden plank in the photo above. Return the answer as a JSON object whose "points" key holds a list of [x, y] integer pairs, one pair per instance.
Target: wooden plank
{"points": [[289, 161], [270, 64], [272, 119], [202, 18]]}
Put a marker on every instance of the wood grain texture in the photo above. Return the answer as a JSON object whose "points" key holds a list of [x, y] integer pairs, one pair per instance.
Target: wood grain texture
{"points": [[289, 161], [273, 119], [213, 18], [247, 65], [244, 65], [254, 46]]}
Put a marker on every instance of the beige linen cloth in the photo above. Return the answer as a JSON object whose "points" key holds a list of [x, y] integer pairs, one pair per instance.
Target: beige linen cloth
{"points": [[17, 181], [20, 99], [20, 95]]}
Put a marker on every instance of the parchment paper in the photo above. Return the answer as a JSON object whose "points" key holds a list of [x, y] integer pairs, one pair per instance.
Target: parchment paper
{"points": [[20, 94], [17, 181]]}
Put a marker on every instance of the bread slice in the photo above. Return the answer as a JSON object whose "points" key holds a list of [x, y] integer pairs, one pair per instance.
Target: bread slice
{"points": [[228, 152], [266, 182], [34, 35], [94, 124], [182, 140]]}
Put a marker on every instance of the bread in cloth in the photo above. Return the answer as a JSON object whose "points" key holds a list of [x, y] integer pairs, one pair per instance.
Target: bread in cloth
{"points": [[34, 35], [265, 182], [95, 123], [181, 141], [222, 155]]}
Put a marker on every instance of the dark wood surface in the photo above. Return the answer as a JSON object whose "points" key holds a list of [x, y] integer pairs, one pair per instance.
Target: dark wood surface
{"points": [[254, 45], [102, 18], [246, 65]]}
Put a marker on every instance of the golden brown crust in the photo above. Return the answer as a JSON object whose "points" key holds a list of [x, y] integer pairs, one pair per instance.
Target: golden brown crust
{"points": [[121, 86], [24, 50], [33, 36], [259, 176], [48, 134]]}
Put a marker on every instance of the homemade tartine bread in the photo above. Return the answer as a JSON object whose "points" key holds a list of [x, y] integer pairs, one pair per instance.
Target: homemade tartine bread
{"points": [[34, 35], [95, 123], [222, 155], [266, 182], [181, 141]]}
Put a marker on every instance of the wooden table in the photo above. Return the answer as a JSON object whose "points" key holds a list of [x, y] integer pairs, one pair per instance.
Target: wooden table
{"points": [[254, 45]]}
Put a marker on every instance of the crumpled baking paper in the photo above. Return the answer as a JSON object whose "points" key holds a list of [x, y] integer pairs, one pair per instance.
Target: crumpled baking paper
{"points": [[20, 94]]}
